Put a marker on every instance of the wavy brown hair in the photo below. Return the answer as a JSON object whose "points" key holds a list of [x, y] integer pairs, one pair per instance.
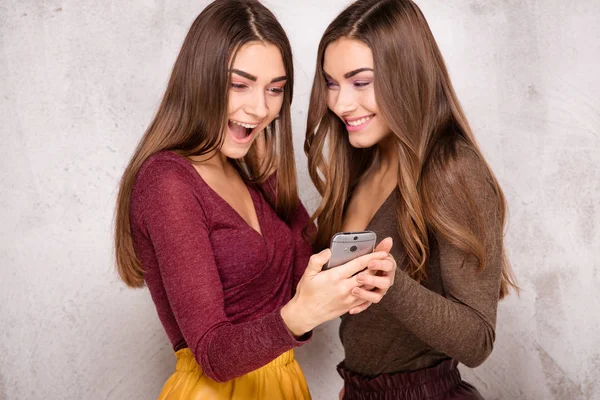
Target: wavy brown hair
{"points": [[418, 103], [192, 116]]}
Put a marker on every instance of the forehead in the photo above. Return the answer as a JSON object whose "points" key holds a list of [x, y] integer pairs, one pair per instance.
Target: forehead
{"points": [[260, 59], [346, 55]]}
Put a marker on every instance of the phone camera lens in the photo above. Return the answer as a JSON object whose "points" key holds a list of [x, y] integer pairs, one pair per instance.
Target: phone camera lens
{"points": [[353, 249], [355, 237]]}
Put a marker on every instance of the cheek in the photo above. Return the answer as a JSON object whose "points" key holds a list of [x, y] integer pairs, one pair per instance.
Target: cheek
{"points": [[274, 103], [369, 101], [331, 100], [235, 101]]}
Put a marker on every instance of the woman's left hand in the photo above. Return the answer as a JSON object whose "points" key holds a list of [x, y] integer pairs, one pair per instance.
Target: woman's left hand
{"points": [[376, 279]]}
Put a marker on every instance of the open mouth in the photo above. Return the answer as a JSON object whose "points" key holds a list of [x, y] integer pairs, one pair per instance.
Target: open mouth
{"points": [[241, 131]]}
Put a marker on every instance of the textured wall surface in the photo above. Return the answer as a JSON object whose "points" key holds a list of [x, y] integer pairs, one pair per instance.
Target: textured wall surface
{"points": [[79, 82]]}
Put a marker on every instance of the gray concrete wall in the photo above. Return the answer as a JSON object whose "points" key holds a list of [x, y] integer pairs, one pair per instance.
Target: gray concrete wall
{"points": [[79, 82]]}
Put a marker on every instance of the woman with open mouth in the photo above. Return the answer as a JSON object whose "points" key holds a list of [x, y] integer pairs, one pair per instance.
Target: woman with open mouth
{"points": [[208, 217]]}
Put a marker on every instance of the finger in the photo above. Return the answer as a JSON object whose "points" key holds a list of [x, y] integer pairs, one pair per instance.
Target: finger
{"points": [[385, 245], [360, 308], [358, 264], [387, 265], [380, 282], [316, 263], [373, 296]]}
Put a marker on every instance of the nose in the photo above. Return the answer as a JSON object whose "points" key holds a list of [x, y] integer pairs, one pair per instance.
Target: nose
{"points": [[257, 106], [344, 102]]}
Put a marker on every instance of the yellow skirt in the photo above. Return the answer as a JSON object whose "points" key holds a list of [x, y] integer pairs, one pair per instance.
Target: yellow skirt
{"points": [[282, 379]]}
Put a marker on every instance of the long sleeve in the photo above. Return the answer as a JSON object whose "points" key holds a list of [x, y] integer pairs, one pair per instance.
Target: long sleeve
{"points": [[461, 324], [174, 221], [303, 250]]}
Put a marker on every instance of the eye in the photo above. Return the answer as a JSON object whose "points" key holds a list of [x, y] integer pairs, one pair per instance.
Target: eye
{"points": [[330, 84], [238, 86], [276, 91], [361, 84]]}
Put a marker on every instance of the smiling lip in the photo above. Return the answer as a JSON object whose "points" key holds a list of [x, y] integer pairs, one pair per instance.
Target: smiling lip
{"points": [[356, 128]]}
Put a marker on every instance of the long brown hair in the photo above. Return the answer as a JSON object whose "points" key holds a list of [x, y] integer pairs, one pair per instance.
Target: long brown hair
{"points": [[192, 116], [418, 103]]}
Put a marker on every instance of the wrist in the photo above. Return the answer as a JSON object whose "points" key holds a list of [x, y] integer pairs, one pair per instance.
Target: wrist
{"points": [[294, 319]]}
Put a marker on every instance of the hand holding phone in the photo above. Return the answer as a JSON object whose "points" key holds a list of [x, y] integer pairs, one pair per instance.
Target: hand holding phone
{"points": [[346, 246], [324, 296]]}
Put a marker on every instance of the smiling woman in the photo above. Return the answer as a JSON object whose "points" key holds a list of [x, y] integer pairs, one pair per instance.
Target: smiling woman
{"points": [[208, 217], [402, 161], [351, 95]]}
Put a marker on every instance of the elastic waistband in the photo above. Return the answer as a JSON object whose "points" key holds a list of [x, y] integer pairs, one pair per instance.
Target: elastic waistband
{"points": [[427, 382], [186, 361]]}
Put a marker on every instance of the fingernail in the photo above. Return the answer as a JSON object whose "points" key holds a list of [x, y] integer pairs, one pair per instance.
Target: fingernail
{"points": [[360, 279], [355, 291]]}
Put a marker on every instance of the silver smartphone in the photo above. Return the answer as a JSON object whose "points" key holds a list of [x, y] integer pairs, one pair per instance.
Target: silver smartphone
{"points": [[346, 246]]}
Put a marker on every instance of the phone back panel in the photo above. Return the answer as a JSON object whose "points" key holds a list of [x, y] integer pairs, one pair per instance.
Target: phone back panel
{"points": [[347, 246]]}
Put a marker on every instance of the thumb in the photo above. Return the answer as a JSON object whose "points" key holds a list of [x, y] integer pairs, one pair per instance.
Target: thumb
{"points": [[316, 263], [385, 245]]}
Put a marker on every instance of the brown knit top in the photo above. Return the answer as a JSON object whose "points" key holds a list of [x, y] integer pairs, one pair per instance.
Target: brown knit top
{"points": [[451, 315]]}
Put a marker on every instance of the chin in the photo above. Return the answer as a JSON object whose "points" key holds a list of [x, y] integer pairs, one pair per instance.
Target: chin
{"points": [[234, 151], [361, 142], [234, 154]]}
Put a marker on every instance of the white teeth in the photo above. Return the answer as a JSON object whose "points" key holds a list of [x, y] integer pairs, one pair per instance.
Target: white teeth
{"points": [[359, 122], [248, 126]]}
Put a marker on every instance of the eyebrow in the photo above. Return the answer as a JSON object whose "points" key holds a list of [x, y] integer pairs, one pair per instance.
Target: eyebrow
{"points": [[349, 74], [356, 71], [254, 78]]}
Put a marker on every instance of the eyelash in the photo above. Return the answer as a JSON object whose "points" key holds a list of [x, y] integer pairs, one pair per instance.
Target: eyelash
{"points": [[275, 91], [358, 85]]}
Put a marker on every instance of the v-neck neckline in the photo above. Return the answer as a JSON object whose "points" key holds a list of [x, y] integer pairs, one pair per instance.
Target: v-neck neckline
{"points": [[381, 207], [255, 203]]}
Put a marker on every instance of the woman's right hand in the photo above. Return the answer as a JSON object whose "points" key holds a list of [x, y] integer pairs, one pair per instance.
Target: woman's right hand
{"points": [[323, 296]]}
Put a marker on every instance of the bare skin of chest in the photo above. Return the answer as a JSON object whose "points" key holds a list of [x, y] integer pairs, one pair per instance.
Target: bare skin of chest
{"points": [[231, 188], [369, 196]]}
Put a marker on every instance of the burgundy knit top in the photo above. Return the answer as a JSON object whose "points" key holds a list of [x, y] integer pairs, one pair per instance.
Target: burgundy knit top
{"points": [[218, 285]]}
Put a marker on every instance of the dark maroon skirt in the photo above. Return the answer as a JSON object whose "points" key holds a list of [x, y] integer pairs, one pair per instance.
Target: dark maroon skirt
{"points": [[442, 382]]}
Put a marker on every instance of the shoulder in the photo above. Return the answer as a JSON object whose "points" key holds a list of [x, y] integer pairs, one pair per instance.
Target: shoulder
{"points": [[163, 177], [475, 172], [164, 171], [460, 180], [461, 165]]}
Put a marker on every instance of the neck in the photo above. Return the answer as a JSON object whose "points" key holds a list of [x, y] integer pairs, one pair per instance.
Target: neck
{"points": [[386, 163], [215, 159]]}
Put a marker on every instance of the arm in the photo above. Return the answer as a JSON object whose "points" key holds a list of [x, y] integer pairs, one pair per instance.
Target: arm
{"points": [[175, 223], [303, 249], [462, 324]]}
